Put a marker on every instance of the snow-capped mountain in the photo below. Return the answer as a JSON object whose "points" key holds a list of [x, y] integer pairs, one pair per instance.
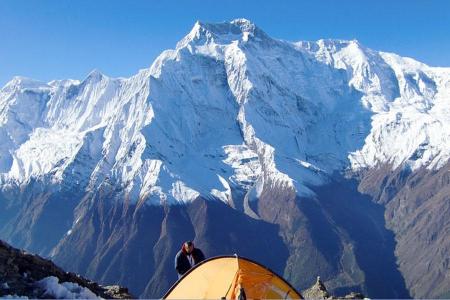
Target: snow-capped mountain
{"points": [[229, 104], [230, 114]]}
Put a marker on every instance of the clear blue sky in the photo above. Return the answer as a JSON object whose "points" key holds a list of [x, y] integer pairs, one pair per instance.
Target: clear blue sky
{"points": [[67, 39]]}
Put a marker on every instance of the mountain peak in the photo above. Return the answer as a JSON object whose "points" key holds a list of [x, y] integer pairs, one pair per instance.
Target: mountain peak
{"points": [[234, 27], [19, 82], [95, 75], [222, 33], [244, 24]]}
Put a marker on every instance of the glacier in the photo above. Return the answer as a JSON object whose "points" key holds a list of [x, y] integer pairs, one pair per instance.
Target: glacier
{"points": [[229, 108]]}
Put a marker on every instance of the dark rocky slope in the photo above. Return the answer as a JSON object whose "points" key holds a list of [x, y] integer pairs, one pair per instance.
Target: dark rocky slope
{"points": [[417, 210], [385, 234], [339, 235], [20, 272], [353, 234]]}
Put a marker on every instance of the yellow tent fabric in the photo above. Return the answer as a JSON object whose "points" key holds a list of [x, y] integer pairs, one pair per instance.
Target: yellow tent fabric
{"points": [[225, 277]]}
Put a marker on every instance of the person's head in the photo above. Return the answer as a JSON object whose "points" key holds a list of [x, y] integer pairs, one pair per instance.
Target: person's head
{"points": [[189, 247]]}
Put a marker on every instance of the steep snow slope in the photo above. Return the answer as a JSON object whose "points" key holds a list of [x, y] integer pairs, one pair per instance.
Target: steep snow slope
{"points": [[410, 102], [229, 108]]}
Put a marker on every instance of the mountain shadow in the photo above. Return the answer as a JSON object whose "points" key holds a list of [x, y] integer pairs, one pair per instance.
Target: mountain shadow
{"points": [[362, 222]]}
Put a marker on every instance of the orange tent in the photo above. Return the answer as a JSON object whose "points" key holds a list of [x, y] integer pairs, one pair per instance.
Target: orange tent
{"points": [[231, 277]]}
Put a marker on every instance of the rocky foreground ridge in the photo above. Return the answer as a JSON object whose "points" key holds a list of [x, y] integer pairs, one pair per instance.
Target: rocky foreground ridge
{"points": [[25, 275], [319, 291]]}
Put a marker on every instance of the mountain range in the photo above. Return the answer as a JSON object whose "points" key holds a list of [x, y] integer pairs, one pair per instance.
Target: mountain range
{"points": [[315, 158]]}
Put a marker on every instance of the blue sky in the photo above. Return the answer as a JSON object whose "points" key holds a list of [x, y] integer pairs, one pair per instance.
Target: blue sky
{"points": [[67, 39]]}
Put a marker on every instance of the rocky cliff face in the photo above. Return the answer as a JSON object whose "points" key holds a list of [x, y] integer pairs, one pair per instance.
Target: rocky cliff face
{"points": [[316, 158], [417, 208]]}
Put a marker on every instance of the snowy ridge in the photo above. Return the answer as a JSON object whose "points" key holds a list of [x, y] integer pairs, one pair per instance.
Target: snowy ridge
{"points": [[228, 108], [409, 99]]}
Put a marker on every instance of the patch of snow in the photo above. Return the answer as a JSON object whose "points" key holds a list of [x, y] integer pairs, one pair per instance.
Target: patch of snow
{"points": [[245, 163], [309, 166], [13, 297], [183, 193], [223, 195], [65, 290]]}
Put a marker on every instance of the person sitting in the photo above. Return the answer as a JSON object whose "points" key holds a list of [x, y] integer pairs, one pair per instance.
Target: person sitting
{"points": [[187, 257]]}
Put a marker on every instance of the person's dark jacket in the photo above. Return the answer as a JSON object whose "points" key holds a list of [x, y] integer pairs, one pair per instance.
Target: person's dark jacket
{"points": [[182, 264]]}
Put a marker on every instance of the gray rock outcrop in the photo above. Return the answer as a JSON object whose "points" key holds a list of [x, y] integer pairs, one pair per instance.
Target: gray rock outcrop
{"points": [[20, 272]]}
